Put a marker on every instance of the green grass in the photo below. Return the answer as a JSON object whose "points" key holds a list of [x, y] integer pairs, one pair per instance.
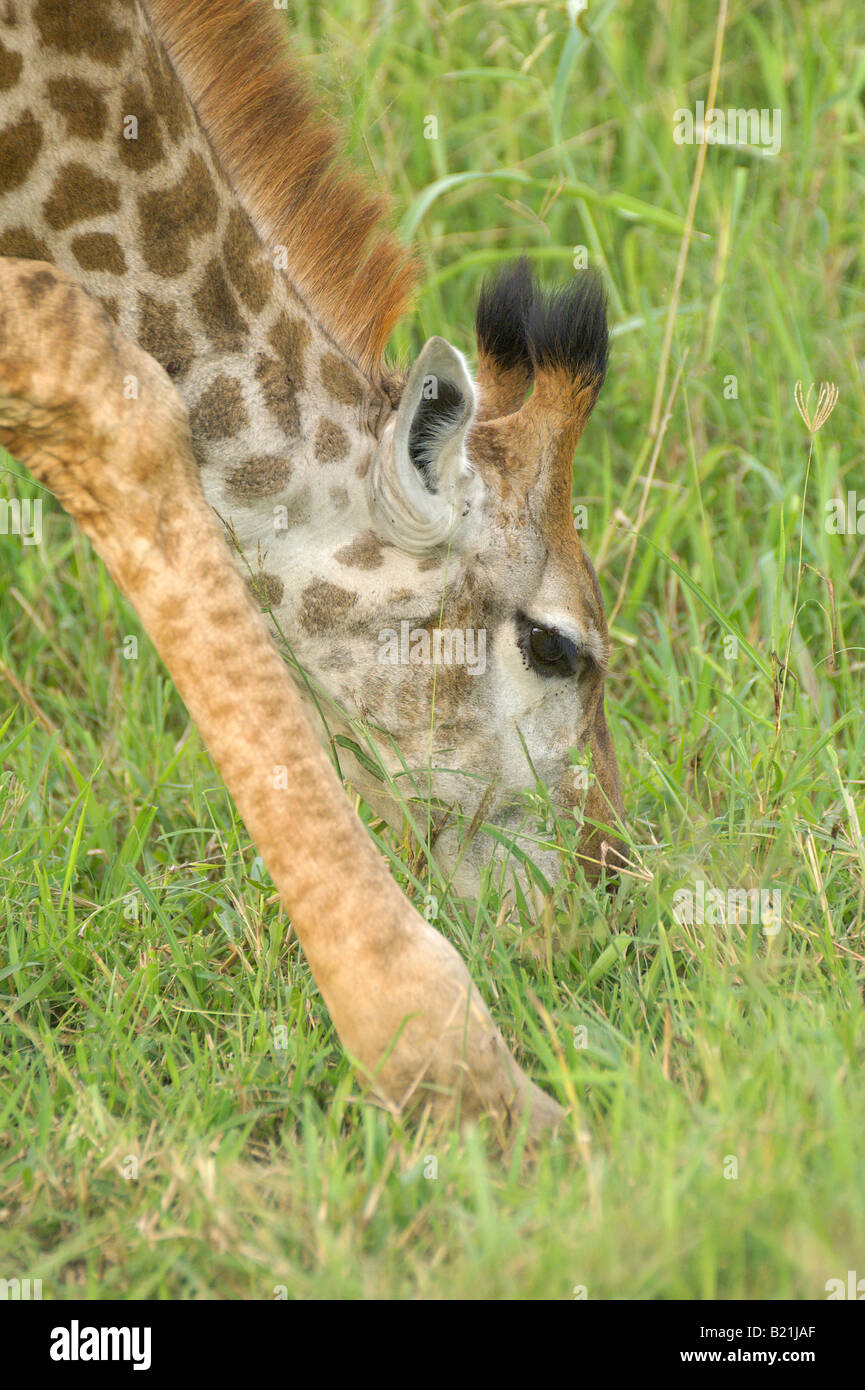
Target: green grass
{"points": [[145, 965]]}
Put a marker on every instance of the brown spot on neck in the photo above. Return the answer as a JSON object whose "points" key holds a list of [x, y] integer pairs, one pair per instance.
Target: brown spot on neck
{"points": [[77, 195], [279, 392], [220, 412], [10, 68], [20, 241], [160, 334], [217, 309], [342, 381], [289, 339], [173, 217], [246, 262], [81, 106], [20, 144], [144, 149], [89, 29], [99, 251], [331, 442], [167, 94]]}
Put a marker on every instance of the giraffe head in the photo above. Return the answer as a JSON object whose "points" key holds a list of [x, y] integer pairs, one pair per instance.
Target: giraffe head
{"points": [[467, 626]]}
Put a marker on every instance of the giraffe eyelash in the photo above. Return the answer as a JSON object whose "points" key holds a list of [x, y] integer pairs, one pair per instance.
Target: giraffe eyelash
{"points": [[548, 651]]}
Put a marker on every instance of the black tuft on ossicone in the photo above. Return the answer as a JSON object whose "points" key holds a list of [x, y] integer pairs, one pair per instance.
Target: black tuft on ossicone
{"points": [[503, 307], [519, 324], [567, 327]]}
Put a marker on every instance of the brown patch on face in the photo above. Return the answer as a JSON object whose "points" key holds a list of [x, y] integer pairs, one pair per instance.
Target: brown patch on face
{"points": [[78, 194], [363, 553], [99, 251], [220, 411], [80, 105], [501, 390], [20, 144], [498, 457], [331, 442], [259, 477], [10, 68], [401, 596], [280, 393], [88, 29], [466, 610], [266, 589], [339, 497], [217, 309], [146, 149], [111, 306], [341, 380], [160, 334], [431, 562], [323, 604], [172, 217], [20, 241], [246, 261], [573, 395]]}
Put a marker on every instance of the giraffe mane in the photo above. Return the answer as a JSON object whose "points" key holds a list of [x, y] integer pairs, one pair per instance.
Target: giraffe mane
{"points": [[284, 161]]}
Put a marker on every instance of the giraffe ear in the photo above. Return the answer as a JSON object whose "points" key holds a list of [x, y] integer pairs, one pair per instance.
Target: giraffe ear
{"points": [[420, 474], [437, 407]]}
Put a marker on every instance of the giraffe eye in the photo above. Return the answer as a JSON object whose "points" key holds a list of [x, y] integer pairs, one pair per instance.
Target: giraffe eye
{"points": [[547, 650], [546, 646]]}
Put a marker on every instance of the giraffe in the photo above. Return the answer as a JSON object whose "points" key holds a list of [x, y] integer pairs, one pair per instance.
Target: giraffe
{"points": [[166, 154], [399, 995]]}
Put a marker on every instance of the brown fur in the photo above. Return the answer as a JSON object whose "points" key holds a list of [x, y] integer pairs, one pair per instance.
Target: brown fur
{"points": [[76, 29], [81, 106], [163, 336], [19, 145], [20, 241], [10, 68], [220, 411], [259, 477], [501, 390], [282, 159], [77, 195]]}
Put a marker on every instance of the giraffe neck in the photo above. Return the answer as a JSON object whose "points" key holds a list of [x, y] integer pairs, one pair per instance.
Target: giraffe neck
{"points": [[107, 172]]}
